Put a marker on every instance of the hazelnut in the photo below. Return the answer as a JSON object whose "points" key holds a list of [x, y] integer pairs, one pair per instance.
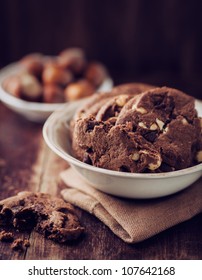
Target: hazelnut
{"points": [[12, 85], [165, 130], [160, 123], [184, 121], [95, 73], [141, 124], [33, 63], [112, 120], [53, 94], [153, 127], [135, 156], [31, 89], [121, 100], [78, 90], [155, 157], [73, 59], [53, 74], [154, 165], [139, 109], [199, 156]]}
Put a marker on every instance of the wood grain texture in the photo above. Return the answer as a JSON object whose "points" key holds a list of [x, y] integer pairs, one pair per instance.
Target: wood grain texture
{"points": [[129, 36], [26, 163], [157, 42]]}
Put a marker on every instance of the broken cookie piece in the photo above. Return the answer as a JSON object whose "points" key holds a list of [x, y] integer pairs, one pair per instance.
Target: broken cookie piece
{"points": [[50, 216]]}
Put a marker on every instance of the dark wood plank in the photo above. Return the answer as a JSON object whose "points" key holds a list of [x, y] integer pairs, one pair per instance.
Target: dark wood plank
{"points": [[19, 144], [133, 36], [18, 149], [26, 163]]}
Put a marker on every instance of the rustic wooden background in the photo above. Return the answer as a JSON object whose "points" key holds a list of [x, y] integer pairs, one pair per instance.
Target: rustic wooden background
{"points": [[26, 163], [136, 39], [158, 42]]}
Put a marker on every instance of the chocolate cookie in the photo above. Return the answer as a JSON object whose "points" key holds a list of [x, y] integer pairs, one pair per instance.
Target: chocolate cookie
{"points": [[157, 130], [97, 101], [50, 216]]}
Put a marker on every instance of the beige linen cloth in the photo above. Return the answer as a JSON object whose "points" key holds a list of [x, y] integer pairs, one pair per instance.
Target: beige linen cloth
{"points": [[130, 219]]}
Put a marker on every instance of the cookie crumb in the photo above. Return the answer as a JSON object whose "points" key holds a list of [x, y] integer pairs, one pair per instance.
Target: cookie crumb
{"points": [[54, 218], [26, 243], [6, 236], [18, 245]]}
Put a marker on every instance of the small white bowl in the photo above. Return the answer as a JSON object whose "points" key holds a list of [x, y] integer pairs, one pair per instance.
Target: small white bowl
{"points": [[129, 185], [33, 111]]}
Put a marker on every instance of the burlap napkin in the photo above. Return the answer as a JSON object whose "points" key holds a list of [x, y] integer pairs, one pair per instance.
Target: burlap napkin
{"points": [[131, 219]]}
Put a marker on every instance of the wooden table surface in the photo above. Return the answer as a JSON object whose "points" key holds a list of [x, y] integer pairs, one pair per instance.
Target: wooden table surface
{"points": [[26, 163]]}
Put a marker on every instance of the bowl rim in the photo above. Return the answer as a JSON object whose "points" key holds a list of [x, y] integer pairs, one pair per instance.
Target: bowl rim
{"points": [[48, 128], [21, 104]]}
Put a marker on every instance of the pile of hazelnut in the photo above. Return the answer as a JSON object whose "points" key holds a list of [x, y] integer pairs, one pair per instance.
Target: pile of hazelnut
{"points": [[66, 77]]}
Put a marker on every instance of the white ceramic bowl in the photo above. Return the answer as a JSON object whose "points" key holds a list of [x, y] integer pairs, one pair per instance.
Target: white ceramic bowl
{"points": [[130, 185], [33, 111]]}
